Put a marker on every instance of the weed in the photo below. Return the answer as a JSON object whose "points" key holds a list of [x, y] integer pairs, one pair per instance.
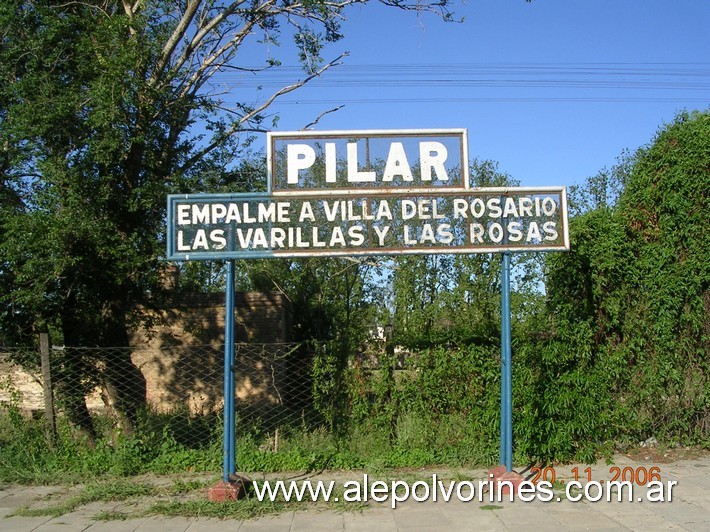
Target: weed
{"points": [[111, 515], [245, 509], [107, 491]]}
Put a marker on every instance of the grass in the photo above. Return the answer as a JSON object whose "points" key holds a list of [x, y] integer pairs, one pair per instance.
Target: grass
{"points": [[184, 498], [164, 445], [244, 509], [104, 492], [111, 515], [187, 497]]}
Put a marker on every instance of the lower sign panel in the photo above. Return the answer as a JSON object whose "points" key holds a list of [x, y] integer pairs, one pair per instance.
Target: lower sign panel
{"points": [[212, 226]]}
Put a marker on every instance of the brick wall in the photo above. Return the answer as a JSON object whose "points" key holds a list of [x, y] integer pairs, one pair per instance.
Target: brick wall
{"points": [[181, 355], [191, 371]]}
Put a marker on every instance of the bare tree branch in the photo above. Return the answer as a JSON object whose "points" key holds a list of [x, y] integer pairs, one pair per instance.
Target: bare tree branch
{"points": [[198, 78], [174, 39], [237, 125], [311, 124]]}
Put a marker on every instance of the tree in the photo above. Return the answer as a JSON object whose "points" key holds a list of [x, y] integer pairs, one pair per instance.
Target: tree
{"points": [[99, 103], [632, 298], [440, 298], [664, 210]]}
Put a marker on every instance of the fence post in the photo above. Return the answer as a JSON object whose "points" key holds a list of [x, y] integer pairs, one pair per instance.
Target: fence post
{"points": [[47, 386]]}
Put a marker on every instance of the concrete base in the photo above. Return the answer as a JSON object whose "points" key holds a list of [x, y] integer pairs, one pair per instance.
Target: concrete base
{"points": [[511, 478], [235, 489]]}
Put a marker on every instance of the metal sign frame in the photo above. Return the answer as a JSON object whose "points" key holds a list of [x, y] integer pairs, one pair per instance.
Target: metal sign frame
{"points": [[460, 135], [464, 245], [400, 190]]}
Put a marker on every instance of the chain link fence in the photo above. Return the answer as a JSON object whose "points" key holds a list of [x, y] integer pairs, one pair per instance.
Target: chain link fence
{"points": [[298, 406], [273, 382]]}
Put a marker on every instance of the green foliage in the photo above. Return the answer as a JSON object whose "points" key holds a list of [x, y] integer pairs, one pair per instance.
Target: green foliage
{"points": [[441, 299], [104, 110], [25, 457], [563, 403], [96, 126], [632, 299]]}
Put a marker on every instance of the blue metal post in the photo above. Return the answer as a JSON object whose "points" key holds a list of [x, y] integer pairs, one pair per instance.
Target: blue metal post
{"points": [[228, 465], [506, 387]]}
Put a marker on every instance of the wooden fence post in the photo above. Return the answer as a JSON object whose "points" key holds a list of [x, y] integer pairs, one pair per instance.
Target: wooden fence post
{"points": [[47, 385]]}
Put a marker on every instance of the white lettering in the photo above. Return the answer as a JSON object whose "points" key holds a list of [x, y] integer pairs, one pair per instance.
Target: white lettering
{"points": [[266, 211], [478, 208], [354, 175], [460, 208], [306, 213], [383, 211], [331, 211], [408, 241], [244, 239], [278, 237], [217, 238], [180, 242], [218, 211], [331, 162], [201, 214], [409, 209], [183, 214], [477, 231], [515, 233], [260, 239], [356, 236], [495, 232], [200, 240], [550, 229], [525, 206], [494, 210], [428, 234], [533, 233], [432, 156], [397, 164], [381, 233], [444, 234], [548, 206], [298, 157], [317, 243], [233, 214], [510, 208]]}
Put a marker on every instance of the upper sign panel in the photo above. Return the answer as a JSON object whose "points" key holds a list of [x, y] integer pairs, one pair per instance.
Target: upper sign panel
{"points": [[307, 162]]}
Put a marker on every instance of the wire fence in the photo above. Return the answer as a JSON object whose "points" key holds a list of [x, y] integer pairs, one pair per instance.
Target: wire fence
{"points": [[298, 406], [273, 382], [304, 406]]}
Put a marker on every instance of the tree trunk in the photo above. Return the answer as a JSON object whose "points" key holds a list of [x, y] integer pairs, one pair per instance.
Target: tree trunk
{"points": [[85, 366], [124, 382], [72, 378]]}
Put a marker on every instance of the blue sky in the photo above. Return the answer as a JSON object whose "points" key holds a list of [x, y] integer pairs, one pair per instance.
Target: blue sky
{"points": [[553, 90]]}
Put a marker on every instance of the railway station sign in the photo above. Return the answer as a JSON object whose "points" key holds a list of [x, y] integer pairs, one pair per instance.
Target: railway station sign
{"points": [[366, 193], [341, 193], [358, 161]]}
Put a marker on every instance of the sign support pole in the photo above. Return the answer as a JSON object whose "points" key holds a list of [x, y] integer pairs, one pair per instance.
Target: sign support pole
{"points": [[228, 466], [506, 386]]}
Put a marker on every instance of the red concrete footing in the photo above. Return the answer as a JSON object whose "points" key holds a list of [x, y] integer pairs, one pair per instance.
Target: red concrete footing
{"points": [[499, 474], [233, 490], [496, 472]]}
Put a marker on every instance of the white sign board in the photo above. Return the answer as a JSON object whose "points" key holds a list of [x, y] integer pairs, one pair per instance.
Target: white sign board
{"points": [[364, 161], [367, 193]]}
